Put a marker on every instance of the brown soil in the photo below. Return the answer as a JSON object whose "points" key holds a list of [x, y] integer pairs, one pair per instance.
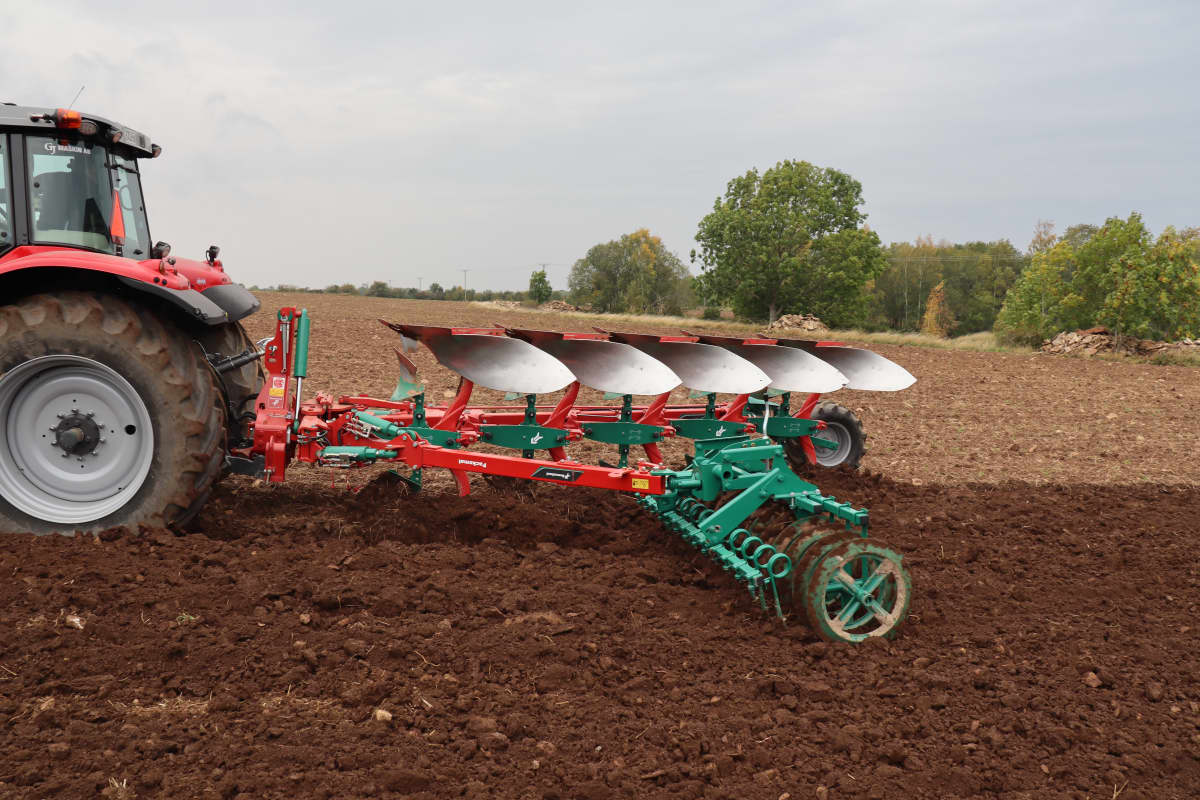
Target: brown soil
{"points": [[559, 643], [971, 416]]}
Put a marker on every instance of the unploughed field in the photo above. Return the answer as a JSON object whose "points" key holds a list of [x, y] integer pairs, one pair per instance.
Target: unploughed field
{"points": [[558, 643]]}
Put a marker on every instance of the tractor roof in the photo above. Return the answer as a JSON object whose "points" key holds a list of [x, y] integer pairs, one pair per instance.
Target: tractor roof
{"points": [[33, 119]]}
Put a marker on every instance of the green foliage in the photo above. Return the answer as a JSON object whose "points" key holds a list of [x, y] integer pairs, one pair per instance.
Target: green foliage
{"points": [[1157, 291], [379, 289], [1030, 312], [710, 312], [539, 287], [977, 275], [1114, 276], [789, 240], [634, 274]]}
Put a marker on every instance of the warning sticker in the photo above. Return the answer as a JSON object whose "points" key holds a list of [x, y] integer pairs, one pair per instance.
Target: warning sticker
{"points": [[640, 483], [278, 385]]}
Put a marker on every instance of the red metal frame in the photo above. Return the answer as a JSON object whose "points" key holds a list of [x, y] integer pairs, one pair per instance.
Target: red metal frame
{"points": [[323, 422], [175, 273]]}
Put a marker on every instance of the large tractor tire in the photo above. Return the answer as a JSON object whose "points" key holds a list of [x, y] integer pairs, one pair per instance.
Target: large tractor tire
{"points": [[109, 416], [240, 386], [843, 427]]}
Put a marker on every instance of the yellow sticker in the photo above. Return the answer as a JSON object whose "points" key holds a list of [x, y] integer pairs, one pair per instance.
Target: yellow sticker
{"points": [[276, 391], [641, 483]]}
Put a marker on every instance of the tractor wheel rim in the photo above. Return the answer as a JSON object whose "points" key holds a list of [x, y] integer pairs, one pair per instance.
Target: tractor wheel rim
{"points": [[832, 456], [78, 442]]}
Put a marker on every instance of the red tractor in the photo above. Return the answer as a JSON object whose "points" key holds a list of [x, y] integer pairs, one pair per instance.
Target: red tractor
{"points": [[125, 374]]}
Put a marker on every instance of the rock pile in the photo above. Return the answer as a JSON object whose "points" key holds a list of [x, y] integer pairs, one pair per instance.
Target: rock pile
{"points": [[1091, 341], [798, 322], [557, 305]]}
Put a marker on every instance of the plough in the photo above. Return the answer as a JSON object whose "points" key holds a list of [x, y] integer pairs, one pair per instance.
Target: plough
{"points": [[847, 585]]}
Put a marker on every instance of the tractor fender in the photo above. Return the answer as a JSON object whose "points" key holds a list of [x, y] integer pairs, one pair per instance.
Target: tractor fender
{"points": [[28, 268]]}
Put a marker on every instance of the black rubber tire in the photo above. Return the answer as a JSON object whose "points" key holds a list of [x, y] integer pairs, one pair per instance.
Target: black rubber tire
{"points": [[847, 421], [239, 387], [168, 371]]}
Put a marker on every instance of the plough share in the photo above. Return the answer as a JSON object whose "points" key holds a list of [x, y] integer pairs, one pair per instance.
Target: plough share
{"points": [[847, 585]]}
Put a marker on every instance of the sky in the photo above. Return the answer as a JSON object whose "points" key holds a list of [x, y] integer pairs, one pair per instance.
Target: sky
{"points": [[322, 143]]}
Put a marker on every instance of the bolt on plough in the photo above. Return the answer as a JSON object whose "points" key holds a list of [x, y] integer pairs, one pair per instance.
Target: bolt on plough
{"points": [[736, 500]]}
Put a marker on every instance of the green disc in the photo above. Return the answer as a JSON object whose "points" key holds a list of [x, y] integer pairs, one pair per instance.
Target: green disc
{"points": [[857, 590]]}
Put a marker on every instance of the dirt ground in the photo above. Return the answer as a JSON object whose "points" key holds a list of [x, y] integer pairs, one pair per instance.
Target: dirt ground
{"points": [[336, 637]]}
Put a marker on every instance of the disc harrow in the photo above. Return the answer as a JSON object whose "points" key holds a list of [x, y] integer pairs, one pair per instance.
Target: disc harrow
{"points": [[799, 553]]}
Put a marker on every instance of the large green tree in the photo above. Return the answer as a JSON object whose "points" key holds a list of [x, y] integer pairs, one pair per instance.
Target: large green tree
{"points": [[790, 240], [635, 274]]}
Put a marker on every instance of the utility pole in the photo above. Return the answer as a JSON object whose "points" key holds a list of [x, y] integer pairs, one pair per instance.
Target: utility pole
{"points": [[464, 283], [419, 281]]}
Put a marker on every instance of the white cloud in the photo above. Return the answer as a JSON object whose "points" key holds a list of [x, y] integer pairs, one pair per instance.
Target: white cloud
{"points": [[363, 140]]}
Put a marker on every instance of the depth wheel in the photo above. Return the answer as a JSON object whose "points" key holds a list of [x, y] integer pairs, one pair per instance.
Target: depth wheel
{"points": [[108, 417], [858, 590], [843, 428]]}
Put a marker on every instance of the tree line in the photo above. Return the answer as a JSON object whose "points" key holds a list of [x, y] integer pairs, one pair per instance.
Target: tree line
{"points": [[435, 291], [794, 239]]}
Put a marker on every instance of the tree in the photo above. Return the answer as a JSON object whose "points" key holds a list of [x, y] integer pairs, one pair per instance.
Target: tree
{"points": [[539, 287], [1117, 277], [436, 292], [1156, 293], [790, 239], [379, 289], [635, 273], [938, 320], [1043, 237], [1031, 310]]}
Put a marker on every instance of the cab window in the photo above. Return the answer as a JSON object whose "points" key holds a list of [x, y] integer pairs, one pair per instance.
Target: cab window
{"points": [[6, 227], [70, 193]]}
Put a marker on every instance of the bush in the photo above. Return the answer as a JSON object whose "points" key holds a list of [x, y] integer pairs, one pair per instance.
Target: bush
{"points": [[710, 312]]}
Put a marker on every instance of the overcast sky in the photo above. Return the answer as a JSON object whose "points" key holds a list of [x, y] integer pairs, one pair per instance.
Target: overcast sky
{"points": [[327, 142]]}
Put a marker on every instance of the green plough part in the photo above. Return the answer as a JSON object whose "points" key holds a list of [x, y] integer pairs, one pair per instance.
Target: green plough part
{"points": [[705, 428], [345, 455], [523, 437], [390, 430], [748, 473], [622, 432]]}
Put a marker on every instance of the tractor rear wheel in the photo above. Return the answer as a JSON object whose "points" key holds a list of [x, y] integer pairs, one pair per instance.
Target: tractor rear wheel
{"points": [[109, 416], [843, 428], [239, 386]]}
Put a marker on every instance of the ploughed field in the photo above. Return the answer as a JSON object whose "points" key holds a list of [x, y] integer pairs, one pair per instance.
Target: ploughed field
{"points": [[551, 642]]}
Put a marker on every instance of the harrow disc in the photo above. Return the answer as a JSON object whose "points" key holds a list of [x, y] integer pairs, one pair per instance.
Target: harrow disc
{"points": [[856, 591]]}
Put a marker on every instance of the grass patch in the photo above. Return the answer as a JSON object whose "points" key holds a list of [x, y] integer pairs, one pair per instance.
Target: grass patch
{"points": [[982, 342], [1178, 358]]}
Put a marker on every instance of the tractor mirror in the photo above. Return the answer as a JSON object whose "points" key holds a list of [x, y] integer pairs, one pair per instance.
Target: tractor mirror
{"points": [[161, 250]]}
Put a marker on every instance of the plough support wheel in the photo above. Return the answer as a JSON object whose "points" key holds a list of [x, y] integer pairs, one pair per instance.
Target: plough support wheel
{"points": [[857, 590]]}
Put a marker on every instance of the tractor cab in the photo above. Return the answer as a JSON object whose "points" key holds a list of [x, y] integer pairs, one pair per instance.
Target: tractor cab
{"points": [[70, 181]]}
